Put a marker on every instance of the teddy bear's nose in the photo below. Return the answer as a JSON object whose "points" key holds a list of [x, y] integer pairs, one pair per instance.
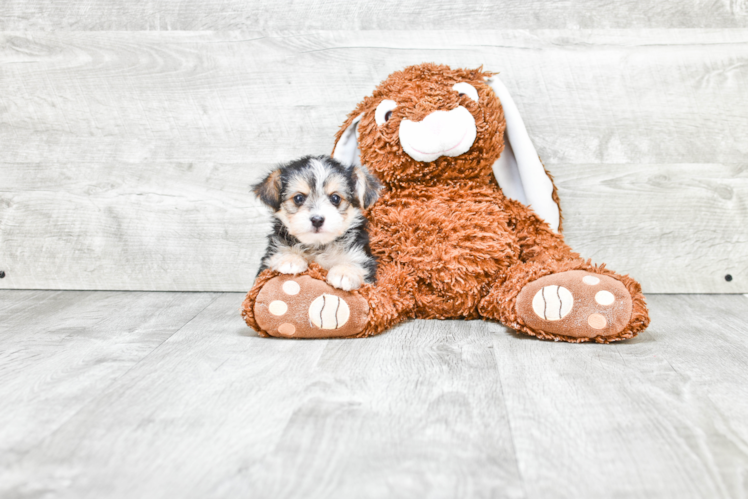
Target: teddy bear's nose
{"points": [[440, 133]]}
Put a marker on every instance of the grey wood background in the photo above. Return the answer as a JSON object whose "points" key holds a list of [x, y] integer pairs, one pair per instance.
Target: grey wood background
{"points": [[122, 394], [127, 154], [194, 15]]}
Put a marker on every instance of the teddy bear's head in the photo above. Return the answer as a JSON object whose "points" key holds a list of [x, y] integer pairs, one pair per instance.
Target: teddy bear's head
{"points": [[430, 124]]}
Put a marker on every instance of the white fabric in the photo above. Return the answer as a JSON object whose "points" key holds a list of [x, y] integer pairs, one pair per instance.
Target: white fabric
{"points": [[467, 89], [507, 174], [381, 112], [346, 150], [441, 133], [519, 172]]}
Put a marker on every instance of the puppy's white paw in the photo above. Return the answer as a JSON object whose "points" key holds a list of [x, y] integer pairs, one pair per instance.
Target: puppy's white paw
{"points": [[289, 264], [346, 277]]}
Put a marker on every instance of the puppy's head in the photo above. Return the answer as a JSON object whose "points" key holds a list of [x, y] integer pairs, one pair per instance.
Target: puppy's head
{"points": [[317, 198]]}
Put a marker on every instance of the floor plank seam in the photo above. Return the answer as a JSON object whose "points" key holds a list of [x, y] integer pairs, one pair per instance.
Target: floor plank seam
{"points": [[105, 390], [509, 422]]}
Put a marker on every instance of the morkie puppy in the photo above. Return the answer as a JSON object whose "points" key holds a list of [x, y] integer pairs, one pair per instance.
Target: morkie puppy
{"points": [[317, 204]]}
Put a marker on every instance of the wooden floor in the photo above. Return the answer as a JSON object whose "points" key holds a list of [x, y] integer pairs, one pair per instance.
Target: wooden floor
{"points": [[168, 394]]}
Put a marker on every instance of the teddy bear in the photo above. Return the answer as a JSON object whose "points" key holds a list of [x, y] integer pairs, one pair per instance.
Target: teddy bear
{"points": [[468, 226]]}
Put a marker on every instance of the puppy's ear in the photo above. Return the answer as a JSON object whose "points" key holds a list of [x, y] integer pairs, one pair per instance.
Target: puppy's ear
{"points": [[366, 186], [269, 190]]}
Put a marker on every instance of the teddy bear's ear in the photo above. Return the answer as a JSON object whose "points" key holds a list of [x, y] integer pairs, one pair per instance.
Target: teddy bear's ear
{"points": [[367, 186], [519, 172], [346, 150]]}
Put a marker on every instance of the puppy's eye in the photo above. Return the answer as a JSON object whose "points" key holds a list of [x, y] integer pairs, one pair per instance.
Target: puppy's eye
{"points": [[299, 199], [464, 88], [384, 111], [335, 199]]}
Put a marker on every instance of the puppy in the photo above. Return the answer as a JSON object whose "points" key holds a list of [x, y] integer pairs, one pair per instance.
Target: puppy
{"points": [[317, 205]]}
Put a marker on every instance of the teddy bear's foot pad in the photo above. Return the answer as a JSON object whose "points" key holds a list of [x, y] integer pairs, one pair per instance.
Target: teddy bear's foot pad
{"points": [[576, 304], [304, 307]]}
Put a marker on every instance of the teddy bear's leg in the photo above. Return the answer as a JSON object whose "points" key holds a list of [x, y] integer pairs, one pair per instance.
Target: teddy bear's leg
{"points": [[554, 294], [570, 300], [306, 306]]}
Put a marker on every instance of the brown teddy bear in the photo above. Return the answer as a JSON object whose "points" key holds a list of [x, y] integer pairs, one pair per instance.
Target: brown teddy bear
{"points": [[467, 226]]}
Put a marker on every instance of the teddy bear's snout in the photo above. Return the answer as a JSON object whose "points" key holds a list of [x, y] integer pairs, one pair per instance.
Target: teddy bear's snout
{"points": [[441, 133]]}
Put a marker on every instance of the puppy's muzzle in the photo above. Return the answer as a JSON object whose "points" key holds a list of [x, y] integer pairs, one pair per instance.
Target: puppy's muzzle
{"points": [[441, 133]]}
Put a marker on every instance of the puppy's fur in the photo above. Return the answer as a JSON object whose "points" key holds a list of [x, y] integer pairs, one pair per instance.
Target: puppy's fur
{"points": [[317, 204]]}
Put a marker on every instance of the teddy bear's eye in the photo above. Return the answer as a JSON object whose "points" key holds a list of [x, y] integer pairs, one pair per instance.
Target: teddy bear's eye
{"points": [[384, 111], [299, 199], [464, 88]]}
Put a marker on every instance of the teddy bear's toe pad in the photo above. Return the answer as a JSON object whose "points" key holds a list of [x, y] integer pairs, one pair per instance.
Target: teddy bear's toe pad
{"points": [[304, 307], [576, 304]]}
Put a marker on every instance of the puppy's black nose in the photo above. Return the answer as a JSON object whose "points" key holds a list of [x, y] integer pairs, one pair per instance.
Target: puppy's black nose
{"points": [[317, 221]]}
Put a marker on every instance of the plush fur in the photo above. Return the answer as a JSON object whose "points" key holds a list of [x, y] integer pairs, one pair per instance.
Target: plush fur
{"points": [[448, 242]]}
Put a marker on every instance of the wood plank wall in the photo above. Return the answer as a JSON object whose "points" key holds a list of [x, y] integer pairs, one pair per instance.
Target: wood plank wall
{"points": [[130, 131]]}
